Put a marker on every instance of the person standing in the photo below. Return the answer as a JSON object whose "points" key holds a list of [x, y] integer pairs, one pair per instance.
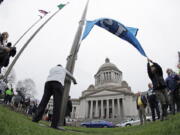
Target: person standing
{"points": [[172, 85], [53, 86], [178, 66], [141, 103], [4, 50], [8, 95], [159, 86], [68, 110], [3, 40], [153, 103]]}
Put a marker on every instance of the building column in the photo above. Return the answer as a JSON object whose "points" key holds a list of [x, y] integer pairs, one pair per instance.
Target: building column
{"points": [[96, 110], [87, 109], [102, 109], [113, 76], [122, 108], [107, 108], [72, 114], [113, 110], [118, 107], [91, 109]]}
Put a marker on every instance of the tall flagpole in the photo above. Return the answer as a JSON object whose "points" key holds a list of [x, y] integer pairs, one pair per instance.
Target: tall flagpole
{"points": [[27, 31], [70, 65], [29, 40]]}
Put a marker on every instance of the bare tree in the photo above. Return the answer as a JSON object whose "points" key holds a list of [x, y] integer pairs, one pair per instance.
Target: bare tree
{"points": [[11, 79], [27, 87]]}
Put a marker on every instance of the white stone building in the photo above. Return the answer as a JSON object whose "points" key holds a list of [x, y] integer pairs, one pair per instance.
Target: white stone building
{"points": [[110, 98]]}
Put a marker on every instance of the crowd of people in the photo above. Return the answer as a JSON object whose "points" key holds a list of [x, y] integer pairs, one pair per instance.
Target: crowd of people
{"points": [[162, 95], [19, 102]]}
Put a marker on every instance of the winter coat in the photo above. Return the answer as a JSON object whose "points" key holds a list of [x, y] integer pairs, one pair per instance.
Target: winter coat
{"points": [[172, 82], [69, 108], [5, 56], [156, 77]]}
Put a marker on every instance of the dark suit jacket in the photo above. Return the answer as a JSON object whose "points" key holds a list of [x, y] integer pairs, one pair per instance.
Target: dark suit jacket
{"points": [[156, 77]]}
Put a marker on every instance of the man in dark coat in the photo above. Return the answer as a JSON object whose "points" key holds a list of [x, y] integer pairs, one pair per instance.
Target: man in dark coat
{"points": [[159, 86], [6, 51], [68, 109], [172, 84], [153, 102]]}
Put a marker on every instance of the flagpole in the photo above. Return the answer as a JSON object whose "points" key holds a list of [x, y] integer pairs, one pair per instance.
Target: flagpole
{"points": [[27, 31], [28, 41], [70, 65]]}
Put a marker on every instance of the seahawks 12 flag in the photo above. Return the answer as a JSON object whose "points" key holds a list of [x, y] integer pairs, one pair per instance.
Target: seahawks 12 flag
{"points": [[126, 33]]}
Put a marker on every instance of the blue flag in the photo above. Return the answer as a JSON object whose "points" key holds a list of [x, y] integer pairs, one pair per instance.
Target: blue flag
{"points": [[126, 33]]}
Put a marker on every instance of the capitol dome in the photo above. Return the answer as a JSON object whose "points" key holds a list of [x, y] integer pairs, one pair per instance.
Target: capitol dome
{"points": [[108, 66], [108, 74]]}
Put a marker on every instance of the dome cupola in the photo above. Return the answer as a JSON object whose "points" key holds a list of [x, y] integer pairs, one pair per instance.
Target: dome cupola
{"points": [[108, 73]]}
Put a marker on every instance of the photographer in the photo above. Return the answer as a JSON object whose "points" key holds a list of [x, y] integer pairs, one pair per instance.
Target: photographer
{"points": [[5, 50]]}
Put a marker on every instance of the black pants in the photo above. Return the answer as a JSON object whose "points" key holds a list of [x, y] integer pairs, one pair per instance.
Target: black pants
{"points": [[51, 88], [7, 99], [154, 107], [174, 100]]}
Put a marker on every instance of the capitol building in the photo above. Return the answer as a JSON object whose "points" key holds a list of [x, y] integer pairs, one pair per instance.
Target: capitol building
{"points": [[110, 98]]}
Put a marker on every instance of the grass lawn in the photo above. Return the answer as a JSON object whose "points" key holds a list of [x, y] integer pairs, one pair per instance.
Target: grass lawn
{"points": [[12, 123]]}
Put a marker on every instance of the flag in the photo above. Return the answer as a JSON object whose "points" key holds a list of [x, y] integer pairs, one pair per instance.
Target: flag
{"points": [[114, 27], [60, 6], [43, 12]]}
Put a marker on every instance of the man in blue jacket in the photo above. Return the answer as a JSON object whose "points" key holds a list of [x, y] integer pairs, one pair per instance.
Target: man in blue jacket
{"points": [[172, 85]]}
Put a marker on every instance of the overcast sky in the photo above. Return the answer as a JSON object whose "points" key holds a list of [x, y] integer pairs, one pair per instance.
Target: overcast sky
{"points": [[159, 29]]}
